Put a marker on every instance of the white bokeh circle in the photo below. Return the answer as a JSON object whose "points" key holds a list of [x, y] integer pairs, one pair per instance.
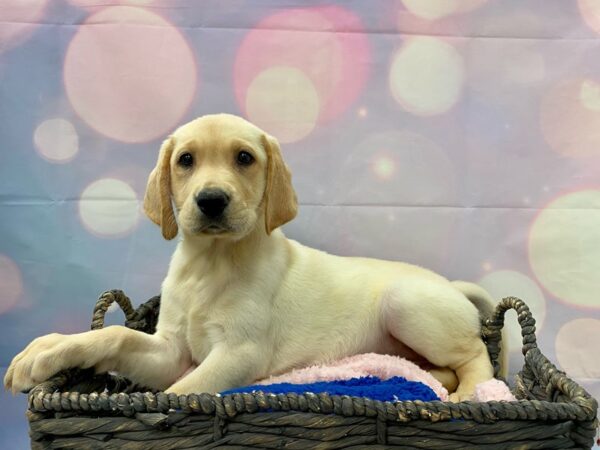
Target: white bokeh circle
{"points": [[109, 208], [437, 9], [426, 76], [56, 140], [590, 11], [577, 348], [589, 95], [283, 101], [564, 248]]}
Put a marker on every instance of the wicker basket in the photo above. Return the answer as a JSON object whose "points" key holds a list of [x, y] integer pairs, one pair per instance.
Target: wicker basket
{"points": [[77, 409]]}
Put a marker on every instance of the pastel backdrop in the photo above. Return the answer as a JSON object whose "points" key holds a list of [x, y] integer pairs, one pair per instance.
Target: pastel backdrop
{"points": [[463, 136]]}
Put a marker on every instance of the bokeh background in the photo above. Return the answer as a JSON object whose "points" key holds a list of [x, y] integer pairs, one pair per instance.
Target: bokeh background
{"points": [[463, 136]]}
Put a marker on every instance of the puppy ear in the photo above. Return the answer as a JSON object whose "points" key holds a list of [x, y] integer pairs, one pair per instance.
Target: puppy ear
{"points": [[281, 204], [157, 201]]}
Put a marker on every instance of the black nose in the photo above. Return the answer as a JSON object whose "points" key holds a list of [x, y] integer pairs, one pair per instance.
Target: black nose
{"points": [[212, 202]]}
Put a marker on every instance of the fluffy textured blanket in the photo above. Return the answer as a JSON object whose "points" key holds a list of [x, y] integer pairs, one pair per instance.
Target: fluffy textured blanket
{"points": [[376, 368], [392, 389]]}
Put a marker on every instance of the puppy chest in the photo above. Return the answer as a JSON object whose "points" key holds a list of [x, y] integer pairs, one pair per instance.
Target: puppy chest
{"points": [[198, 342], [203, 332], [206, 327]]}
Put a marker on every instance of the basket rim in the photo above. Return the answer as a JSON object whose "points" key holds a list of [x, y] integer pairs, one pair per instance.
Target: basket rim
{"points": [[582, 408]]}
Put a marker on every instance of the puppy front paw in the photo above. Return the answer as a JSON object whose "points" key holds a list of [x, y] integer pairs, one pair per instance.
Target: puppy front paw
{"points": [[42, 358], [178, 389]]}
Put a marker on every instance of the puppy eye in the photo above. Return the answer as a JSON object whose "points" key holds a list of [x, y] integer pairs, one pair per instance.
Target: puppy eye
{"points": [[186, 160], [244, 158]]}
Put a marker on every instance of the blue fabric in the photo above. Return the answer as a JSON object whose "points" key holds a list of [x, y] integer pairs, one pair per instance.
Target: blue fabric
{"points": [[393, 389]]}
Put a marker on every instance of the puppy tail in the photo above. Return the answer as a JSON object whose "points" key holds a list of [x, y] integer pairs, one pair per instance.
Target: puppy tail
{"points": [[485, 303]]}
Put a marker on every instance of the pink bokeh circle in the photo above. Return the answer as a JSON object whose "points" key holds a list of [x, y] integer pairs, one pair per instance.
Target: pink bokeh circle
{"points": [[11, 284], [130, 74], [570, 118], [327, 44], [19, 18]]}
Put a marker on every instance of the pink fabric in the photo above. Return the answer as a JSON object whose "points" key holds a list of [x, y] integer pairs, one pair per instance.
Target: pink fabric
{"points": [[384, 367], [369, 364], [493, 390]]}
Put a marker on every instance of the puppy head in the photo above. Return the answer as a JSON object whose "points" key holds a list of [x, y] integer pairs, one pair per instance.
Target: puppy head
{"points": [[219, 176]]}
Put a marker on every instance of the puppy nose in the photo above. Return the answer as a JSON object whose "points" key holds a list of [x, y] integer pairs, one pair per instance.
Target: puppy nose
{"points": [[212, 202]]}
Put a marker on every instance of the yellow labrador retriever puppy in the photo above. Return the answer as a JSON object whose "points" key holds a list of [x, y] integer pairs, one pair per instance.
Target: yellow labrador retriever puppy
{"points": [[242, 302]]}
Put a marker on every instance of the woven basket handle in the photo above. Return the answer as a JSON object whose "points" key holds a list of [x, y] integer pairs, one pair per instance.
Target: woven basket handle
{"points": [[107, 299], [492, 328], [59, 381]]}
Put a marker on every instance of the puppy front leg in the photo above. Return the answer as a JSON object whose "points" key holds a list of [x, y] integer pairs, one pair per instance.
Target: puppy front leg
{"points": [[224, 368], [151, 360]]}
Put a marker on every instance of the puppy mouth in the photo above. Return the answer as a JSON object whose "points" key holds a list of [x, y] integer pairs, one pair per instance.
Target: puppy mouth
{"points": [[214, 229], [226, 225]]}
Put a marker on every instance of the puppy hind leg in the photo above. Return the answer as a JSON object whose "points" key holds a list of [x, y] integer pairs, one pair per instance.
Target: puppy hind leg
{"points": [[446, 376], [476, 370], [441, 325]]}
